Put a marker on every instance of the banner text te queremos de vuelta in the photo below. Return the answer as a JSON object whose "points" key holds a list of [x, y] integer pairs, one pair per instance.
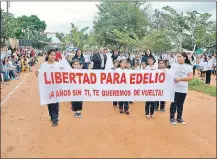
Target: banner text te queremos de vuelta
{"points": [[101, 85]]}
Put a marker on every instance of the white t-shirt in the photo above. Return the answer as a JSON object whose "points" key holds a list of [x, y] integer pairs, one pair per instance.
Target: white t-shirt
{"points": [[181, 70], [87, 58], [209, 64], [137, 68], [55, 65], [119, 69], [132, 56], [214, 61], [121, 58], [151, 68]]}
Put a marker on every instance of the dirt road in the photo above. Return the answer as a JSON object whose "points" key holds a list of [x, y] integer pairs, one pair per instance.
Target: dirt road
{"points": [[26, 130]]}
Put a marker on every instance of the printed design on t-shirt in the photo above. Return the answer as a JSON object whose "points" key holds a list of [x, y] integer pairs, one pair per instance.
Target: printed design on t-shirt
{"points": [[181, 72]]}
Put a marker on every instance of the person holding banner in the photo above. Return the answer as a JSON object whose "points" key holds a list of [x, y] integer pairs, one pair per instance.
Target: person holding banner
{"points": [[50, 62], [161, 66], [150, 105], [115, 64], [123, 105], [183, 73], [77, 106]]}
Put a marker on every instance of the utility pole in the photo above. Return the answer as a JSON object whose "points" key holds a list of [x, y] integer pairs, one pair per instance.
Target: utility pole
{"points": [[8, 5]]}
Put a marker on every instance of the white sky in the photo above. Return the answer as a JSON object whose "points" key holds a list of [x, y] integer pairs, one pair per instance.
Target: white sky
{"points": [[59, 15]]}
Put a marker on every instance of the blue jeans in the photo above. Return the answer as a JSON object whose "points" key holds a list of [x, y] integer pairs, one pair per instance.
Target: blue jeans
{"points": [[19, 69], [86, 65], [11, 73], [5, 74]]}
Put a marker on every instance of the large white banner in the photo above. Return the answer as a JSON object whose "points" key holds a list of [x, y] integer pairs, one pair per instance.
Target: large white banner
{"points": [[101, 85]]}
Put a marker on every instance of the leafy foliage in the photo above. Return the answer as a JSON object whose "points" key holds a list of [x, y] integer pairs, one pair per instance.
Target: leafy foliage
{"points": [[76, 37], [125, 17], [13, 27]]}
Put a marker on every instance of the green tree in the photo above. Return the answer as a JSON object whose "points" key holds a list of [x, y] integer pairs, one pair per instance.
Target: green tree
{"points": [[126, 17], [31, 24], [9, 25], [76, 37]]}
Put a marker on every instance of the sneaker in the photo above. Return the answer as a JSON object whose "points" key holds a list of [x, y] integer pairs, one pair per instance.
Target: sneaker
{"points": [[156, 110], [162, 110], [153, 116], [148, 116], [76, 115], [127, 112], [115, 106], [121, 111], [55, 123], [79, 114], [181, 121], [173, 121]]}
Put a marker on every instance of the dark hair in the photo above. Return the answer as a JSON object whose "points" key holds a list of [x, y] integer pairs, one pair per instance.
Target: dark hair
{"points": [[187, 61], [48, 53], [151, 58], [76, 53], [147, 54], [76, 60], [192, 57], [161, 61], [205, 59]]}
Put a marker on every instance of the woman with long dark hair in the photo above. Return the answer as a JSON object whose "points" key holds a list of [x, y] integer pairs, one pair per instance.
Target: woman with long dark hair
{"points": [[183, 73], [147, 55], [79, 56]]}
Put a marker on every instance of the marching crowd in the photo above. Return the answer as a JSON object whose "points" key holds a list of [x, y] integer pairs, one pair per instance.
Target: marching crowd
{"points": [[14, 61], [205, 64], [183, 64]]}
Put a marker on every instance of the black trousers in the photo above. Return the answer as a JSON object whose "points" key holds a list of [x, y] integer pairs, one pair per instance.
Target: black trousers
{"points": [[115, 103], [208, 76], [123, 105], [149, 107], [77, 106], [194, 68], [53, 109], [177, 105], [161, 104]]}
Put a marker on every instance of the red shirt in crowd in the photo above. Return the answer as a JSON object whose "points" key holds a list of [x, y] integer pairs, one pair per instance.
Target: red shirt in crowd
{"points": [[58, 56], [32, 53]]}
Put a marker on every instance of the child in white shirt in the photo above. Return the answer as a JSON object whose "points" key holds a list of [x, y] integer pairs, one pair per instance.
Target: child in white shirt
{"points": [[123, 105], [150, 105]]}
